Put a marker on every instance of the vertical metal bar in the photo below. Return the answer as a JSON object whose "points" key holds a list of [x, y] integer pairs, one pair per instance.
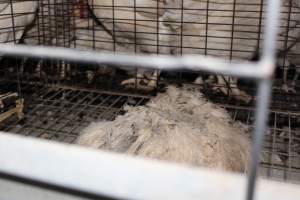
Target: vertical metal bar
{"points": [[181, 34], [13, 21], [232, 32], [157, 25], [158, 10], [54, 7], [70, 13], [271, 169], [94, 25], [47, 34], [286, 41], [260, 24], [264, 93], [39, 15], [206, 27], [181, 27], [62, 24], [113, 24], [73, 23], [289, 156], [273, 12], [248, 117], [261, 116], [135, 43], [14, 29]]}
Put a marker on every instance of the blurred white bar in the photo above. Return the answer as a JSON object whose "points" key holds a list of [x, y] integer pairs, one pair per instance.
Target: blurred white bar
{"points": [[125, 177], [261, 69], [12, 190], [264, 91], [271, 29]]}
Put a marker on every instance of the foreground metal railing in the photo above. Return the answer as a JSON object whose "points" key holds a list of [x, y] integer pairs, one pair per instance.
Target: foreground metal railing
{"points": [[14, 150], [94, 174]]}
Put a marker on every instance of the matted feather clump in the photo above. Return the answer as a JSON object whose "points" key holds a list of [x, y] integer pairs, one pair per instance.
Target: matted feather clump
{"points": [[180, 126]]}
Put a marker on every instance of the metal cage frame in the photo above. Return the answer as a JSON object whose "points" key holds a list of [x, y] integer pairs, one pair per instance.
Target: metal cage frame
{"points": [[15, 152]]}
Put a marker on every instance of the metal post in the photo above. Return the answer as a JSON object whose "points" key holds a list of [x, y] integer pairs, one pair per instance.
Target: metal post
{"points": [[264, 92], [261, 117]]}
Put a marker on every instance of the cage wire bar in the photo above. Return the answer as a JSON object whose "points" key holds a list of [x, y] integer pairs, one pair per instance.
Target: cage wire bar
{"points": [[148, 179], [264, 93], [261, 71]]}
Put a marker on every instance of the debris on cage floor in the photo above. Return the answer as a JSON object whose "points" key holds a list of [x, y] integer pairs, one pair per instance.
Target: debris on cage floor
{"points": [[60, 113]]}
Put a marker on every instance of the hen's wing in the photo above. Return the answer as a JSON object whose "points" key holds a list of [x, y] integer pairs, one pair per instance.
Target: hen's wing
{"points": [[14, 18]]}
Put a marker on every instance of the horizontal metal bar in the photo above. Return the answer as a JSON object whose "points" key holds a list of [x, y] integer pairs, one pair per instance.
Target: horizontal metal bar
{"points": [[15, 190], [262, 69], [119, 176]]}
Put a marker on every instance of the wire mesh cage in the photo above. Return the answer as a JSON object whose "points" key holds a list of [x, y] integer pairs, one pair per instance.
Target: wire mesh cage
{"points": [[62, 96], [232, 30]]}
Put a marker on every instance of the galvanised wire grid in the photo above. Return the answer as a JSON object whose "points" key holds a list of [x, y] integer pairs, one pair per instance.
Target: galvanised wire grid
{"points": [[59, 113], [261, 71]]}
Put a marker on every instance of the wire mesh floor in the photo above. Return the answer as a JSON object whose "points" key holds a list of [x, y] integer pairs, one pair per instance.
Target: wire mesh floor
{"points": [[60, 113]]}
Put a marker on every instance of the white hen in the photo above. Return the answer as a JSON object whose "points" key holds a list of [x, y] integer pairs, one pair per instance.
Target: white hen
{"points": [[232, 29], [14, 18], [135, 26]]}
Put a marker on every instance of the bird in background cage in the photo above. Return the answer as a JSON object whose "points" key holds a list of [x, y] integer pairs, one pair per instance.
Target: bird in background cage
{"points": [[15, 19], [50, 29], [288, 55], [232, 30], [131, 27]]}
